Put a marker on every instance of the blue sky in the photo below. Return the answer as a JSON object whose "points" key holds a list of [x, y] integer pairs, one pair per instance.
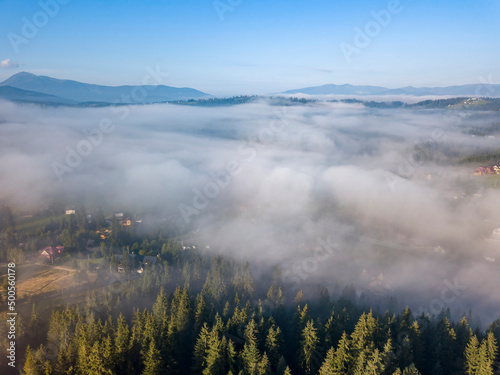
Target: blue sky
{"points": [[254, 46]]}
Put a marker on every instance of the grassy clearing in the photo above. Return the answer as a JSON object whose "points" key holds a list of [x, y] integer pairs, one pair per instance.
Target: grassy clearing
{"points": [[31, 224], [36, 279]]}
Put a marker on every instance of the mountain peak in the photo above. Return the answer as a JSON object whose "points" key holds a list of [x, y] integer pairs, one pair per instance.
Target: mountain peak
{"points": [[24, 74], [20, 78], [20, 75]]}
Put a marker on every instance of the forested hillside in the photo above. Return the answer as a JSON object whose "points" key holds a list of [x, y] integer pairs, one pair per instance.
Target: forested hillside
{"points": [[202, 314]]}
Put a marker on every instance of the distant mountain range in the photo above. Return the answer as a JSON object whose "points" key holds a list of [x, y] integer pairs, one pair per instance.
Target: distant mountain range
{"points": [[42, 89], [481, 90], [27, 87]]}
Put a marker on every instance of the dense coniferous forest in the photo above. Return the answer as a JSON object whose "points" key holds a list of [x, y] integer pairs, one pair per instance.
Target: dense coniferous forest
{"points": [[220, 329], [192, 312]]}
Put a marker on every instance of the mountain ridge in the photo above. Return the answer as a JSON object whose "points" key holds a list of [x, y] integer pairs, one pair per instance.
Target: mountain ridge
{"points": [[80, 92], [483, 90]]}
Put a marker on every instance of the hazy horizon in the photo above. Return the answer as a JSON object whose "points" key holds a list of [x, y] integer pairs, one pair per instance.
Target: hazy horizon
{"points": [[241, 47]]}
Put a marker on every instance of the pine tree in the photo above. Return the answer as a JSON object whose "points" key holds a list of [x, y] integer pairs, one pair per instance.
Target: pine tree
{"points": [[446, 346], [83, 359], [199, 312], [264, 367], [300, 319], [273, 344], [491, 349], [485, 365], [48, 368], [150, 331], [160, 307], [405, 353], [472, 356], [134, 358], [250, 354], [299, 297], [363, 336], [227, 310], [95, 362], [63, 361], [108, 354], [464, 334], [215, 354], [282, 366], [231, 355], [309, 349], [215, 285], [425, 361], [374, 365], [34, 318], [324, 302], [388, 357], [186, 275], [359, 363], [342, 356], [182, 310], [30, 365], [122, 344], [328, 367], [414, 335], [170, 349], [411, 370], [406, 320], [333, 330], [248, 280], [200, 349], [271, 294], [152, 360]]}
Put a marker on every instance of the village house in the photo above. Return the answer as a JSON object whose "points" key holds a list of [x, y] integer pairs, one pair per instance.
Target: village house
{"points": [[70, 211], [483, 171], [121, 219], [126, 222], [52, 252], [140, 261], [103, 234]]}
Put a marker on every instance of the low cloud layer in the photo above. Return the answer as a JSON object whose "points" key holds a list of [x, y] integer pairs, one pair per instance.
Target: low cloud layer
{"points": [[9, 64], [333, 193]]}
